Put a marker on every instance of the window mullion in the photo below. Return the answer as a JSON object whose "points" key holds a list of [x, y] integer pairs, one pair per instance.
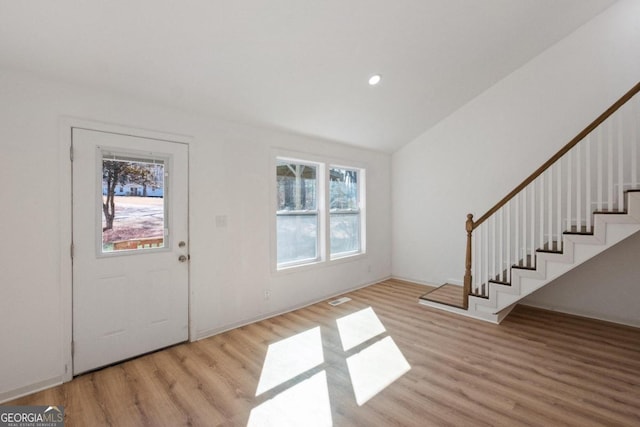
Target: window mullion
{"points": [[325, 232]]}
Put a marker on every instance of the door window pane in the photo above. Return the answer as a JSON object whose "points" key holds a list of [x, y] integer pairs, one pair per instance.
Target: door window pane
{"points": [[297, 215], [133, 203]]}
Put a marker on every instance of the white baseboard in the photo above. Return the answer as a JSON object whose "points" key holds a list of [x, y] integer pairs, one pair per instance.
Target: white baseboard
{"points": [[6, 396], [419, 282], [215, 331]]}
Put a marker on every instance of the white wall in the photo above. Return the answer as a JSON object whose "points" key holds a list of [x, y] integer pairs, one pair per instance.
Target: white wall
{"points": [[474, 157], [229, 175], [606, 287]]}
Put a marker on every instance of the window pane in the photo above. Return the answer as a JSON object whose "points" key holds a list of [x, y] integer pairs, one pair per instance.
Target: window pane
{"points": [[297, 237], [345, 232], [296, 187], [344, 208], [343, 189], [297, 215], [133, 209]]}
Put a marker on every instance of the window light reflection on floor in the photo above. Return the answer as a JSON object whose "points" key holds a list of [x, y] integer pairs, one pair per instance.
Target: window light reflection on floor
{"points": [[289, 358], [304, 404], [372, 368], [359, 327], [378, 365], [375, 368]]}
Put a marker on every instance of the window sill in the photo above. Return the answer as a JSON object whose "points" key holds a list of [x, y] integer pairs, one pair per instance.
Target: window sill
{"points": [[317, 265]]}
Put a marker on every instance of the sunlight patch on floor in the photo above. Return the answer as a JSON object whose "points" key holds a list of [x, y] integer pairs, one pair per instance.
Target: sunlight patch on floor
{"points": [[359, 327], [304, 404], [375, 368], [289, 358], [376, 364]]}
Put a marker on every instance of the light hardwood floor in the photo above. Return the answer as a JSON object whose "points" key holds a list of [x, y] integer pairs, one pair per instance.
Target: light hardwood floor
{"points": [[446, 294], [536, 368]]}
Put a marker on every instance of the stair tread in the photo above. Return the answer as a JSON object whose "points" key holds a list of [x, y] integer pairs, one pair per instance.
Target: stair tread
{"points": [[523, 267], [581, 230], [610, 212], [553, 247], [479, 296], [549, 251]]}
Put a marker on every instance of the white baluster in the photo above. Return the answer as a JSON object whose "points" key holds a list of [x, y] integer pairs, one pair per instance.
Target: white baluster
{"points": [[480, 259], [550, 207], [493, 246], [578, 150], [620, 163], [609, 165], [500, 259], [569, 189], [559, 181], [635, 123], [485, 279], [599, 178], [525, 224], [543, 200], [508, 263], [588, 210], [533, 221], [516, 230]]}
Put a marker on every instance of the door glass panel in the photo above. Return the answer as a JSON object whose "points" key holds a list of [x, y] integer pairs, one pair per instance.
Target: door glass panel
{"points": [[133, 203]]}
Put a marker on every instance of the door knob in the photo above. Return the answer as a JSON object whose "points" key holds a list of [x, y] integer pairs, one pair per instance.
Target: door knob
{"points": [[182, 258]]}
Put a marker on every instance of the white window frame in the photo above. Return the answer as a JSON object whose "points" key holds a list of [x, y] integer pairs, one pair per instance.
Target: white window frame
{"points": [[320, 203], [361, 186], [323, 163]]}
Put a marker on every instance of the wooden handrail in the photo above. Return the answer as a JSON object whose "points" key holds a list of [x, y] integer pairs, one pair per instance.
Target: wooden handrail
{"points": [[586, 131]]}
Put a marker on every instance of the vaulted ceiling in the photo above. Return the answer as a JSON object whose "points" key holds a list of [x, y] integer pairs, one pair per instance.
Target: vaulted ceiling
{"points": [[299, 65]]}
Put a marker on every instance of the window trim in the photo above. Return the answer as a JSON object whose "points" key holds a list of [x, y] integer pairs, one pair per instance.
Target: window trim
{"points": [[320, 203], [360, 211], [324, 257]]}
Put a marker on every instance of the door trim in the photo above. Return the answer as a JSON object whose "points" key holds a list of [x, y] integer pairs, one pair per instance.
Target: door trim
{"points": [[65, 126]]}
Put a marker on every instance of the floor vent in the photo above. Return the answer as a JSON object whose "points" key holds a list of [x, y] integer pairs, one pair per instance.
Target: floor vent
{"points": [[339, 301]]}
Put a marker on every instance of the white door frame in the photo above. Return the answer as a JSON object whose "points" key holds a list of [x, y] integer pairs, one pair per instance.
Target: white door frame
{"points": [[66, 123]]}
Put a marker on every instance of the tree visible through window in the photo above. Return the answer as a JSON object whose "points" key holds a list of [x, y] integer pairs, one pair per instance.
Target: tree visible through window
{"points": [[133, 209]]}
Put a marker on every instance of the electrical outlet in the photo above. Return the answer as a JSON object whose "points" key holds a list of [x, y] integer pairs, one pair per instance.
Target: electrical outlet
{"points": [[267, 294]]}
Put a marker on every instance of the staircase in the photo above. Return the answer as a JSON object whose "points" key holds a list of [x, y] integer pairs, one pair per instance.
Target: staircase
{"points": [[581, 202]]}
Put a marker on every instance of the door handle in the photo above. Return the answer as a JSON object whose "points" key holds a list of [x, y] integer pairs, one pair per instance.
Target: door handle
{"points": [[182, 258]]}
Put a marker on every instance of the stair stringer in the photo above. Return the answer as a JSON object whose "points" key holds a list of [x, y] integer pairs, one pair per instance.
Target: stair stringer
{"points": [[608, 229]]}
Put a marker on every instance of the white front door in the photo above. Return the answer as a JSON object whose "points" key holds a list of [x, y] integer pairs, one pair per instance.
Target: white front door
{"points": [[130, 247]]}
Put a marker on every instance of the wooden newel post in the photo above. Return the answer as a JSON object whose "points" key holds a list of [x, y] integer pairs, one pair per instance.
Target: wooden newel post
{"points": [[467, 263]]}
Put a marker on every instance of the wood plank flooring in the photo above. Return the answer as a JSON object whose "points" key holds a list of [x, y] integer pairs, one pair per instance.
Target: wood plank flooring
{"points": [[537, 368], [446, 294]]}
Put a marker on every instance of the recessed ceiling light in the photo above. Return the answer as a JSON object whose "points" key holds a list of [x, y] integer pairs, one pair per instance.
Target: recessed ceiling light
{"points": [[375, 79]]}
